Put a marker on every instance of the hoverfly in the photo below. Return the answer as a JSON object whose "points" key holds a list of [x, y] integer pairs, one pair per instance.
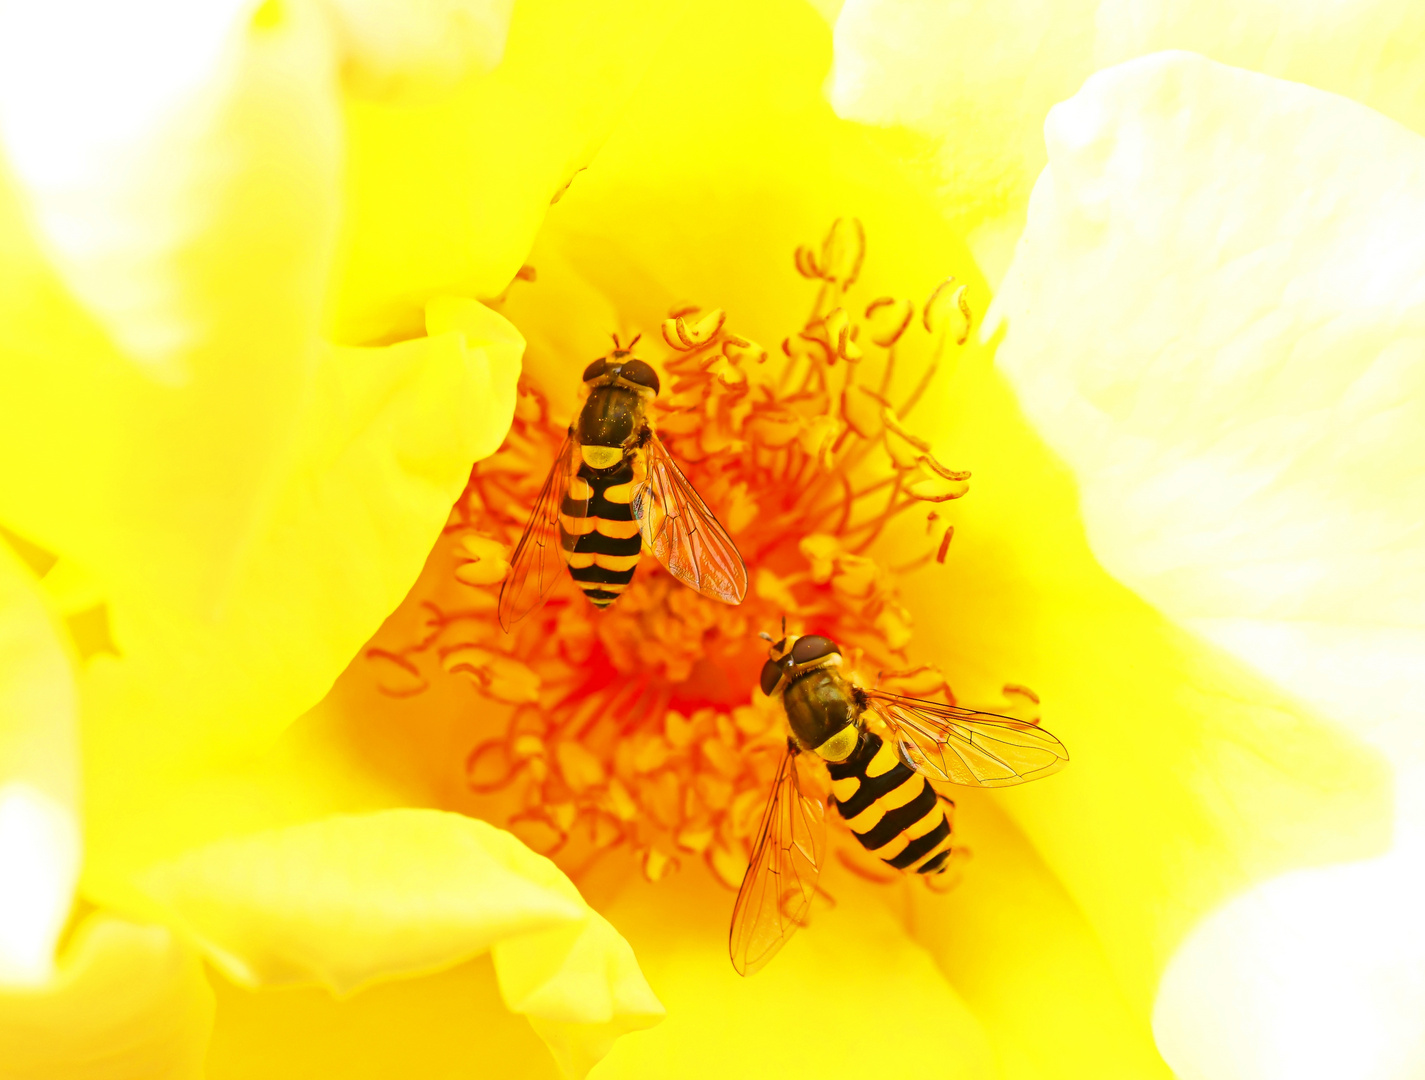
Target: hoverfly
{"points": [[879, 787], [614, 488]]}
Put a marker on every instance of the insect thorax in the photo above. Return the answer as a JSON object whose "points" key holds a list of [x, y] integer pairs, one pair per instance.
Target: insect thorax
{"points": [[612, 416], [822, 712]]}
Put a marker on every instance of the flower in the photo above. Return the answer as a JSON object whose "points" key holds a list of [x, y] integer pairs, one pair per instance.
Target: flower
{"points": [[1198, 774]]}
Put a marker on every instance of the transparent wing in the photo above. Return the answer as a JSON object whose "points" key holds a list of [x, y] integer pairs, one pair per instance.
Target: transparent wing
{"points": [[962, 746], [537, 562], [683, 534], [781, 878]]}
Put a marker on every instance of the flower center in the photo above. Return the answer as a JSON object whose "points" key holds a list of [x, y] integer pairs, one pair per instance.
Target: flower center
{"points": [[641, 726]]}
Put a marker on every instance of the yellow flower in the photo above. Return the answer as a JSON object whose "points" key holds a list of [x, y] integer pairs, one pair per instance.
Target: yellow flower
{"points": [[246, 377]]}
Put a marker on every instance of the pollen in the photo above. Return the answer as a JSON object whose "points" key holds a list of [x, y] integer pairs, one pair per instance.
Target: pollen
{"points": [[640, 728]]}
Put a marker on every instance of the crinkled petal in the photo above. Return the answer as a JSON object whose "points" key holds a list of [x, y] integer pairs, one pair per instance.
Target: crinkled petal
{"points": [[1245, 428], [581, 988], [351, 899], [39, 779], [126, 1001], [448, 196]]}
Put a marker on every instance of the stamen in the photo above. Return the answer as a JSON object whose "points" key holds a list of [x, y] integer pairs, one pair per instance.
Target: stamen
{"points": [[640, 726]]}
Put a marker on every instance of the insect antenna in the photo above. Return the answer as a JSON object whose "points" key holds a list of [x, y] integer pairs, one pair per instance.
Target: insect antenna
{"points": [[765, 636], [635, 341]]}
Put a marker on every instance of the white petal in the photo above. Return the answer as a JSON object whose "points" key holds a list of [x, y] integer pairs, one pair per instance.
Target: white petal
{"points": [[976, 79], [413, 48], [39, 780], [39, 865], [1217, 317], [1306, 978], [180, 161], [126, 1001]]}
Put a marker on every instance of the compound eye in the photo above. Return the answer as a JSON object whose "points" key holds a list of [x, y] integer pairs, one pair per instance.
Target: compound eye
{"points": [[640, 374], [771, 675], [813, 647], [594, 370]]}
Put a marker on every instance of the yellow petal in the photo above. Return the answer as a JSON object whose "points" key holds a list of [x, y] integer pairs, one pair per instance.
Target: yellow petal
{"points": [[1246, 432], [127, 1001], [355, 898], [152, 489], [1026, 962], [448, 196], [449, 1024], [852, 970], [581, 988], [386, 447], [703, 192], [39, 779]]}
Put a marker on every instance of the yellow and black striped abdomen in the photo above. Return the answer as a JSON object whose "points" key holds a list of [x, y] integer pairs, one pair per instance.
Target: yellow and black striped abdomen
{"points": [[890, 807], [597, 530]]}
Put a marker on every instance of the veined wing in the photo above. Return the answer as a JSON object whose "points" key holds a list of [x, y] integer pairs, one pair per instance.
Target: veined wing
{"points": [[781, 878], [946, 742], [682, 533], [537, 562]]}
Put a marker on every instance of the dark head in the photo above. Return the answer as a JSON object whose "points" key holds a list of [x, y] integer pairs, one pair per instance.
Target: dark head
{"points": [[620, 388], [622, 368], [793, 656], [821, 705]]}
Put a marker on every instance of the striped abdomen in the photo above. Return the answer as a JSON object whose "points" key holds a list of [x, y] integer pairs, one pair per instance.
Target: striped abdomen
{"points": [[597, 529], [891, 808]]}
